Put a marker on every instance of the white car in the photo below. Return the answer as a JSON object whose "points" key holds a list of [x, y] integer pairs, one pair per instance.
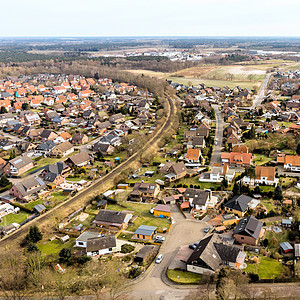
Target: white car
{"points": [[160, 238], [159, 259], [151, 211]]}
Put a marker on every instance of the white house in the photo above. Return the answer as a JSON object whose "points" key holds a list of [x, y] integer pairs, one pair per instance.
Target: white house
{"points": [[81, 241], [263, 175], [101, 245]]}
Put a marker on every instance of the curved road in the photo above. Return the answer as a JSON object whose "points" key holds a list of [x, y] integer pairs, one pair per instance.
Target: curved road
{"points": [[98, 183]]}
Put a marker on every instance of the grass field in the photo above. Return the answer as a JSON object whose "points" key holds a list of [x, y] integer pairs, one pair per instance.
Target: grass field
{"points": [[182, 277], [268, 204], [261, 160], [14, 218], [266, 268], [53, 247], [280, 238]]}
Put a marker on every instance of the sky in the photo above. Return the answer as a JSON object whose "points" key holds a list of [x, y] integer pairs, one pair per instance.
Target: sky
{"points": [[71, 18]]}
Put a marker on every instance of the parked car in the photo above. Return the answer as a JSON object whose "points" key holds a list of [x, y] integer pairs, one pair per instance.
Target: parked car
{"points": [[159, 259], [206, 229], [192, 246], [159, 238], [196, 244]]}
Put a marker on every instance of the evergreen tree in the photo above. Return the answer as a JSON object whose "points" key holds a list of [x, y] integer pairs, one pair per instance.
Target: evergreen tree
{"points": [[3, 110], [224, 183], [236, 189], [298, 149], [65, 256], [31, 247], [278, 193], [34, 234], [4, 181]]}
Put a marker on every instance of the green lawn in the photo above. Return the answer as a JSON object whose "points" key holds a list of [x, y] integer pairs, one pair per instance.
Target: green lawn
{"points": [[195, 181], [280, 238], [266, 268], [33, 203], [267, 188], [182, 277], [58, 196], [53, 247], [14, 218], [287, 181], [268, 204], [144, 217], [261, 160]]}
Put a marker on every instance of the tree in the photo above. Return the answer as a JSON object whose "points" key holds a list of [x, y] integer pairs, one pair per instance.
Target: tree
{"points": [[224, 183], [4, 181], [3, 110], [278, 193], [25, 106], [31, 247], [298, 149], [236, 189], [65, 256], [34, 235]]}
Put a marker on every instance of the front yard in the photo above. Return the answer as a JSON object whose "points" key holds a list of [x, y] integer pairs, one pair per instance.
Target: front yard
{"points": [[53, 247], [182, 277], [14, 218]]}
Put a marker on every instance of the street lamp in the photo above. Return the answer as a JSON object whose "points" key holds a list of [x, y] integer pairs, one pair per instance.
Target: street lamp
{"points": [[178, 279]]}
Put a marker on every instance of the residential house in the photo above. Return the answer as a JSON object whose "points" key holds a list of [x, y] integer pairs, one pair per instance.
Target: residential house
{"points": [[143, 191], [81, 241], [198, 199], [63, 149], [45, 148], [176, 171], [117, 118], [48, 135], [146, 253], [290, 162], [111, 219], [263, 175], [18, 166], [240, 204], [237, 159], [104, 148], [196, 142], [79, 160], [193, 155], [248, 231], [101, 245], [24, 190], [79, 139], [211, 254]]}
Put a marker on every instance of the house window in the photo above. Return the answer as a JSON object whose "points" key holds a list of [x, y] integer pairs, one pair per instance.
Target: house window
{"points": [[80, 243], [242, 238], [109, 249]]}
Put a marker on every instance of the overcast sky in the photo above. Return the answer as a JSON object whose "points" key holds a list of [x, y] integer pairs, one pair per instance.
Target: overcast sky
{"points": [[150, 18]]}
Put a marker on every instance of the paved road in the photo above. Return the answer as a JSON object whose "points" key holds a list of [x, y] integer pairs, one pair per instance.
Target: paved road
{"points": [[261, 94], [14, 138], [282, 171], [216, 154], [183, 232]]}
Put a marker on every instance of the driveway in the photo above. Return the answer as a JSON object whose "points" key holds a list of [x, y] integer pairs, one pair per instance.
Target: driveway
{"points": [[216, 154], [183, 232]]}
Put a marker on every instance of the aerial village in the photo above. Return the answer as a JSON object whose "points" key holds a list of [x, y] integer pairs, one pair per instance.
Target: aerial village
{"points": [[229, 177]]}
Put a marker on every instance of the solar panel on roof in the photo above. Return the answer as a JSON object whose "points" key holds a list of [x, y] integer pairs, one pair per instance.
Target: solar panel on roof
{"points": [[40, 181]]}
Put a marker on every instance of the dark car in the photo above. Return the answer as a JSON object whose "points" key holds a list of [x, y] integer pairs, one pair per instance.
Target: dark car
{"points": [[196, 244], [206, 229], [193, 247]]}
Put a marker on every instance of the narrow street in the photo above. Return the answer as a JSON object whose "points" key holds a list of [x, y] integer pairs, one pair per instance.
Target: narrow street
{"points": [[217, 149]]}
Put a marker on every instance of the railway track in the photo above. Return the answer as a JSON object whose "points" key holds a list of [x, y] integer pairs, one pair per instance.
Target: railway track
{"points": [[101, 181]]}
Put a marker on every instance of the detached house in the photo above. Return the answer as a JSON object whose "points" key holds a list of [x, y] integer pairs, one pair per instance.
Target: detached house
{"points": [[101, 245], [111, 219], [117, 118], [18, 166], [25, 189], [237, 159], [193, 156], [143, 191], [248, 231], [263, 175], [198, 199], [79, 139], [176, 171], [290, 162], [63, 149], [239, 205], [211, 254], [79, 160]]}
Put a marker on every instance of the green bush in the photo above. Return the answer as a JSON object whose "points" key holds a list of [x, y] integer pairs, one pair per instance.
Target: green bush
{"points": [[127, 248]]}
